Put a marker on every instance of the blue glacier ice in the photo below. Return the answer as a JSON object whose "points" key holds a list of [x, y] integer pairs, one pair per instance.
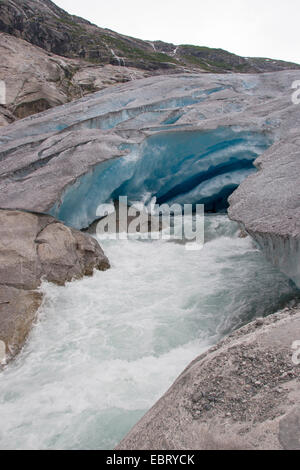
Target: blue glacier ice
{"points": [[185, 166]]}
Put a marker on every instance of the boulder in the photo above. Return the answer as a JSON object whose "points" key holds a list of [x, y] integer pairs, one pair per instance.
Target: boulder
{"points": [[36, 247]]}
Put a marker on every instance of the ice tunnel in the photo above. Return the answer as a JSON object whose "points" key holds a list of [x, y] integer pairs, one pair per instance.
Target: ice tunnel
{"points": [[186, 167]]}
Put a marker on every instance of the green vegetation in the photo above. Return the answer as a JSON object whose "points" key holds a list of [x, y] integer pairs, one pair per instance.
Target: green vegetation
{"points": [[73, 24], [206, 64], [136, 53], [210, 59], [85, 40]]}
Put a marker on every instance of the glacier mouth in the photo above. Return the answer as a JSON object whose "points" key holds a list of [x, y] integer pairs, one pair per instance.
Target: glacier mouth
{"points": [[186, 167], [186, 138]]}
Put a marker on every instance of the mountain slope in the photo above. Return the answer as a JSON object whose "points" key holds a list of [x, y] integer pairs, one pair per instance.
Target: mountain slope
{"points": [[43, 24], [37, 80], [50, 57]]}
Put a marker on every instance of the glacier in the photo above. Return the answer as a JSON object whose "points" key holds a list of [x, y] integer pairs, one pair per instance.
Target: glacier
{"points": [[184, 167], [187, 138]]}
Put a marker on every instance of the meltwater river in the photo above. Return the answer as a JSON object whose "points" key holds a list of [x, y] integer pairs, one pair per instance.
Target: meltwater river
{"points": [[106, 348]]}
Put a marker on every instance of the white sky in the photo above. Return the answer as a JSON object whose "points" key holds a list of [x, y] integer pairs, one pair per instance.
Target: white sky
{"points": [[257, 28]]}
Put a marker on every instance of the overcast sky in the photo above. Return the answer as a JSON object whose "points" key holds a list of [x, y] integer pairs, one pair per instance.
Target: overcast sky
{"points": [[257, 28]]}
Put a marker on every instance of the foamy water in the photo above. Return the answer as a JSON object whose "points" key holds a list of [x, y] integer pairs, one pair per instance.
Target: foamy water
{"points": [[107, 347]]}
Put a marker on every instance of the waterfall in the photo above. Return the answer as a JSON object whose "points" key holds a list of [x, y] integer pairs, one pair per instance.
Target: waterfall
{"points": [[121, 60]]}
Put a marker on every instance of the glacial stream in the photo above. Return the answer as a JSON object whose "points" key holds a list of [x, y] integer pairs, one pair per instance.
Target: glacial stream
{"points": [[106, 348]]}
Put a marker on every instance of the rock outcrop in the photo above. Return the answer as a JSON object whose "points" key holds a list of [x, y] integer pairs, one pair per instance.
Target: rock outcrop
{"points": [[37, 80], [36, 247], [51, 58], [243, 393], [44, 24]]}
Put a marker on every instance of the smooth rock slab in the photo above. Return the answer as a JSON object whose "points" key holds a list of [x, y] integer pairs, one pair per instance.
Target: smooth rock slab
{"points": [[241, 394]]}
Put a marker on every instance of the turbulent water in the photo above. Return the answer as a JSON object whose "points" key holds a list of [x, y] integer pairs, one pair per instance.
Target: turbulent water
{"points": [[106, 348]]}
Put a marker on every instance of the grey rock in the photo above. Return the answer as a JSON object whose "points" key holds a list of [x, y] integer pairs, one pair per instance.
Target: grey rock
{"points": [[6, 117], [18, 311], [44, 24], [218, 403], [36, 247], [37, 80], [289, 430]]}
